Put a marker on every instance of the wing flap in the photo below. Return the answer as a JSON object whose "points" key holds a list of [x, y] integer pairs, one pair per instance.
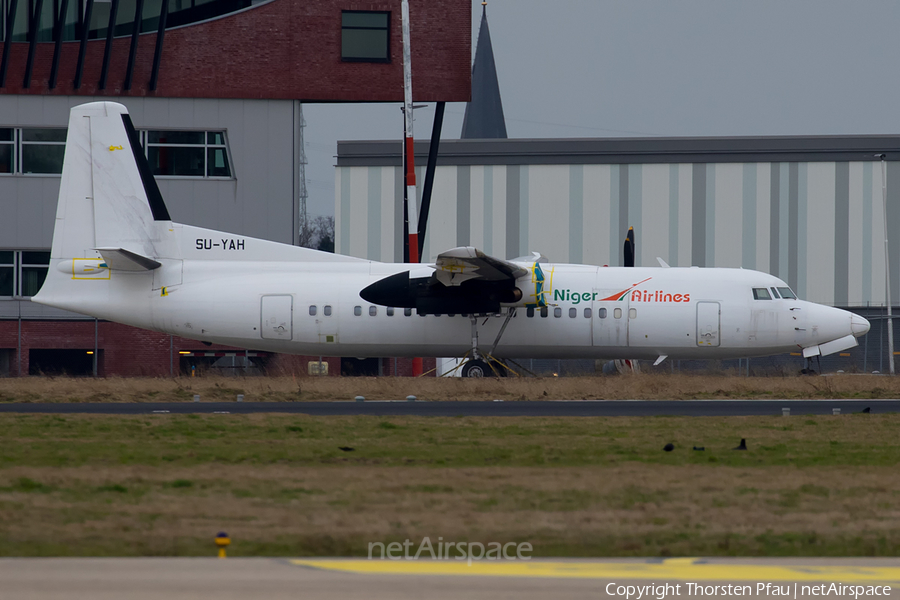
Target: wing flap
{"points": [[458, 265]]}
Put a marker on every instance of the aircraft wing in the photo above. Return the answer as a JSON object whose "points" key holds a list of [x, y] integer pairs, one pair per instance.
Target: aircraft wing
{"points": [[465, 281], [465, 263]]}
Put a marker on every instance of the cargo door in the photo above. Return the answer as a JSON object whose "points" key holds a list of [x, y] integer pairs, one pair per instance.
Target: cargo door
{"points": [[708, 323], [277, 317]]}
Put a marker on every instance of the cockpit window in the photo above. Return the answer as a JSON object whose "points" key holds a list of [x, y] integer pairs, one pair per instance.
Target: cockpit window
{"points": [[787, 293], [761, 294], [774, 293]]}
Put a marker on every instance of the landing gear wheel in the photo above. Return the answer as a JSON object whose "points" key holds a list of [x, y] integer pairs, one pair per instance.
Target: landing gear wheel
{"points": [[476, 368]]}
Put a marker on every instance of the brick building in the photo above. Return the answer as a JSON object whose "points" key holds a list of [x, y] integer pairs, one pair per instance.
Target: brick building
{"points": [[214, 88]]}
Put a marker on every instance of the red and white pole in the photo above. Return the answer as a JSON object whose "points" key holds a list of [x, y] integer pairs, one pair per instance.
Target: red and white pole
{"points": [[409, 150], [412, 209]]}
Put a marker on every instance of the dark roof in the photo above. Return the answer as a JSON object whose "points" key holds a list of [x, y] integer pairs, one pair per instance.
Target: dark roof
{"points": [[629, 150], [484, 114]]}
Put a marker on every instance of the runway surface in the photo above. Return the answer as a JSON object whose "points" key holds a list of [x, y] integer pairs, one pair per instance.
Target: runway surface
{"points": [[327, 579], [543, 408]]}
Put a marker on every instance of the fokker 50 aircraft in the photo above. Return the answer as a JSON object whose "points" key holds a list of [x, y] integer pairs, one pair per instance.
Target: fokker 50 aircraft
{"points": [[118, 256]]}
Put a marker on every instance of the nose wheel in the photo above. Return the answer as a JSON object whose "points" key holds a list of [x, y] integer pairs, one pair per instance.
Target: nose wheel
{"points": [[809, 366]]}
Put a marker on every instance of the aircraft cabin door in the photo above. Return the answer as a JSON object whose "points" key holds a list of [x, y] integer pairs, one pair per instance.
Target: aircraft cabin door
{"points": [[708, 323], [276, 321], [610, 318]]}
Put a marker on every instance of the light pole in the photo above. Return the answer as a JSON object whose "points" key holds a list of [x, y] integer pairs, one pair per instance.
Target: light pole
{"points": [[887, 264]]}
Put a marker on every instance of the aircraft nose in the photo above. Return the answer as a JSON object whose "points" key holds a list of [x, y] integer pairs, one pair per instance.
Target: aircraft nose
{"points": [[858, 325]]}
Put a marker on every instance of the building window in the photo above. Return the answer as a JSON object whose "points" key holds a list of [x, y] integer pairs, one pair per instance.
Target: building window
{"points": [[26, 151], [187, 153], [7, 272], [7, 150], [365, 36], [22, 272], [42, 151]]}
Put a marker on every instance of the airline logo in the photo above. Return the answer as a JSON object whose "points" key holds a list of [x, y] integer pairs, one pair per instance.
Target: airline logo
{"points": [[635, 295]]}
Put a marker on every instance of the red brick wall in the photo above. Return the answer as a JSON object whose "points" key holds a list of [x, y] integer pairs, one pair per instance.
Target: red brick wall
{"points": [[126, 351], [286, 49]]}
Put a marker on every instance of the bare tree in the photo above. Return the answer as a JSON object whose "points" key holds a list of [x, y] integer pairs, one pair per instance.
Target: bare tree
{"points": [[323, 225]]}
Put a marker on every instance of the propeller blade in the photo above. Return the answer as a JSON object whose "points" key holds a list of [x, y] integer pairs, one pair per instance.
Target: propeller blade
{"points": [[629, 248]]}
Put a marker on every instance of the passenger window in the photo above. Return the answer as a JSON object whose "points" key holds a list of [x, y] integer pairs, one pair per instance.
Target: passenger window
{"points": [[787, 293], [587, 313], [390, 311], [632, 313], [573, 312], [357, 310], [312, 310], [530, 312], [373, 310], [774, 293], [617, 313], [327, 310], [601, 312], [557, 312], [545, 312], [407, 312], [761, 294]]}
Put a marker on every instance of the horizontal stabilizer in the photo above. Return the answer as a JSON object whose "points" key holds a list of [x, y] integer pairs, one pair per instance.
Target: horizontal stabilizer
{"points": [[120, 259]]}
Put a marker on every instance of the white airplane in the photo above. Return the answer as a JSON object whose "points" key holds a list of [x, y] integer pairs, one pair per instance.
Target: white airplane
{"points": [[118, 256]]}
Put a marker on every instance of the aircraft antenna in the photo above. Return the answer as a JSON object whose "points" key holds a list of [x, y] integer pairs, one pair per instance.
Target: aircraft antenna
{"points": [[304, 237]]}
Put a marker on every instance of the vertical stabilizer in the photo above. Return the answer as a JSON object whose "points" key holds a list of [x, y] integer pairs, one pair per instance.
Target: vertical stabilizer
{"points": [[106, 200]]}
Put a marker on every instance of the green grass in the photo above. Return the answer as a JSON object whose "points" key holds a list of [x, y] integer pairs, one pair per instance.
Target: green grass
{"points": [[188, 440], [89, 485]]}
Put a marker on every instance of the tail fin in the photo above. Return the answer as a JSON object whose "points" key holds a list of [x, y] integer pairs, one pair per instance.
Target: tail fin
{"points": [[108, 199]]}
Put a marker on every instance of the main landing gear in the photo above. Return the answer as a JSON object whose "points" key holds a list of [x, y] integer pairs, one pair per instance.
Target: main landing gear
{"points": [[477, 366]]}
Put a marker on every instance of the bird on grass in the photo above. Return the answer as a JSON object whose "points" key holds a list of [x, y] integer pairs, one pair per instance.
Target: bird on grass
{"points": [[699, 448], [866, 410], [669, 447], [346, 448], [742, 446]]}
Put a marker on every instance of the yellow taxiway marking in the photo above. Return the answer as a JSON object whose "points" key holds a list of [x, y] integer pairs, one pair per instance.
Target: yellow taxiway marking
{"points": [[683, 569]]}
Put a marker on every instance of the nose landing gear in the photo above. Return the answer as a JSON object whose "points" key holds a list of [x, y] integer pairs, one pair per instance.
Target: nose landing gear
{"points": [[809, 370]]}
